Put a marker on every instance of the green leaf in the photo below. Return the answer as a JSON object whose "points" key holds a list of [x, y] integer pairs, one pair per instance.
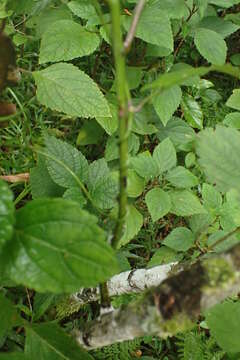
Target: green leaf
{"points": [[192, 112], [141, 121], [13, 356], [41, 182], [91, 133], [158, 203], [218, 151], [84, 9], [219, 25], [164, 255], [211, 46], [75, 194], [102, 186], [9, 315], [66, 165], [50, 249], [154, 26], [165, 156], [7, 214], [135, 185], [224, 3], [66, 40], [167, 80], [134, 222], [180, 133], [180, 239], [223, 321], [109, 124], [234, 100], [65, 88], [144, 165], [167, 102], [174, 8], [232, 120], [49, 342], [185, 203], [212, 199], [182, 178], [41, 304]]}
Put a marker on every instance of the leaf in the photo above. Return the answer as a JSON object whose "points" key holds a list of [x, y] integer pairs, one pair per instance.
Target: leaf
{"points": [[84, 9], [219, 25], [134, 222], [51, 248], [185, 203], [9, 315], [154, 26], [102, 186], [218, 153], [135, 184], [41, 182], [164, 255], [174, 8], [158, 203], [41, 304], [180, 239], [227, 336], [180, 133], [182, 178], [234, 100], [167, 80], [91, 133], [66, 165], [66, 40], [224, 3], [232, 120], [13, 356], [211, 46], [109, 124], [144, 165], [167, 102], [142, 121], [48, 341], [192, 112], [7, 214], [75, 194], [212, 199], [164, 156], [65, 88]]}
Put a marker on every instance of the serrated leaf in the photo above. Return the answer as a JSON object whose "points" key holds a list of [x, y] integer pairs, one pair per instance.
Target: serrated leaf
{"points": [[164, 255], [84, 9], [211, 46], [234, 100], [226, 336], [165, 156], [75, 194], [185, 203], [50, 249], [7, 214], [219, 25], [109, 124], [182, 178], [49, 342], [9, 315], [135, 184], [154, 26], [232, 120], [65, 88], [41, 182], [66, 165], [167, 102], [192, 112], [144, 165], [102, 186], [180, 239], [66, 40], [134, 222], [224, 3], [219, 157], [211, 197], [158, 203]]}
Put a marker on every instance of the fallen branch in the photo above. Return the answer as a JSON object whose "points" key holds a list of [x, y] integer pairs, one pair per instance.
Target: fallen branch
{"points": [[16, 178], [129, 282], [173, 306]]}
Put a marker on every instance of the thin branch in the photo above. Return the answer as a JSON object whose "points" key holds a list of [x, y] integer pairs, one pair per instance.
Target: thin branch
{"points": [[24, 177], [132, 31]]}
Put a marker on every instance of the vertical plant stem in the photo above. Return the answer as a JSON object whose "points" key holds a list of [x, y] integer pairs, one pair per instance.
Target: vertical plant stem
{"points": [[124, 115]]}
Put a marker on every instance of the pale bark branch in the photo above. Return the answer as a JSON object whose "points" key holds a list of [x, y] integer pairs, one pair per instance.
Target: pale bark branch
{"points": [[16, 178], [171, 307]]}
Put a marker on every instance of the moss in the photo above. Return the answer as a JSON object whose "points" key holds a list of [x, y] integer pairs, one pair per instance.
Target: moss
{"points": [[219, 272], [178, 323], [67, 306]]}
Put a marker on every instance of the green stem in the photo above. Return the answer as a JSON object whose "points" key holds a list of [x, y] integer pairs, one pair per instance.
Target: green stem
{"points": [[124, 116]]}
